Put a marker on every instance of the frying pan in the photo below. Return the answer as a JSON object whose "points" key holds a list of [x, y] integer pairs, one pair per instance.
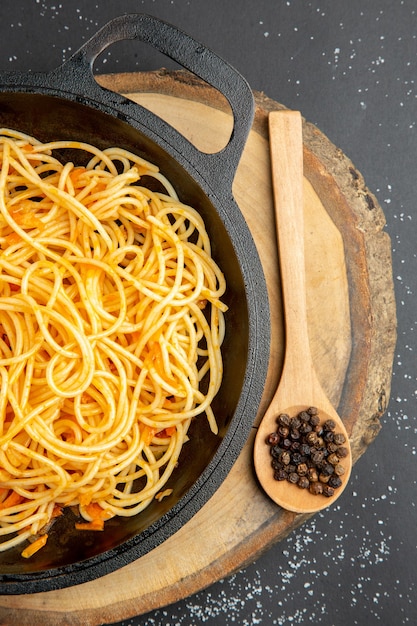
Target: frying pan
{"points": [[68, 103]]}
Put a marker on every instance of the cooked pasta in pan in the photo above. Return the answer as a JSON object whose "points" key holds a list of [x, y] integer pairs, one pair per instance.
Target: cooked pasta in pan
{"points": [[110, 319]]}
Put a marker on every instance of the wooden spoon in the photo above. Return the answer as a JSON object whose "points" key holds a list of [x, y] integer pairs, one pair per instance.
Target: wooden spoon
{"points": [[299, 387]]}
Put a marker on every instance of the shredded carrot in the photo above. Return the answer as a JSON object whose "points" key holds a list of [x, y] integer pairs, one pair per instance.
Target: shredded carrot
{"points": [[169, 431], [99, 516], [100, 187], [24, 216], [35, 546], [97, 512], [27, 147], [136, 336], [84, 499], [75, 175], [57, 511], [111, 301], [12, 499], [92, 197], [163, 494], [148, 433], [97, 524], [156, 359], [12, 238]]}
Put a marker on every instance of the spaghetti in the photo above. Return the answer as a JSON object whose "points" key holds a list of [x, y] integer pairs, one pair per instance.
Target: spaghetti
{"points": [[110, 318]]}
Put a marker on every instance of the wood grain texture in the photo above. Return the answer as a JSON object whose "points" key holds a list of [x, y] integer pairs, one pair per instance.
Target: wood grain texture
{"points": [[352, 328]]}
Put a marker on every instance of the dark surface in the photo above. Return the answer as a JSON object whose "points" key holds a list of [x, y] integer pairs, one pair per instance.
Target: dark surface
{"points": [[350, 67]]}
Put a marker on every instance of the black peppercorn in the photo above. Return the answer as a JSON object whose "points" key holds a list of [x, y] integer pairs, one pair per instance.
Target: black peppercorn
{"points": [[335, 481], [305, 449], [316, 488], [311, 438], [317, 456], [294, 434], [296, 422], [303, 482], [297, 458], [283, 431], [339, 470], [302, 469], [305, 428], [328, 491], [339, 438], [280, 474], [342, 452], [327, 469], [333, 459], [285, 457], [273, 439], [319, 442], [314, 416], [307, 453], [283, 419], [276, 451], [293, 478], [328, 436], [315, 421]]}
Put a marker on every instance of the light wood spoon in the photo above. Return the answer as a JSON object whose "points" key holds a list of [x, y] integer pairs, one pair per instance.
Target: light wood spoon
{"points": [[299, 387]]}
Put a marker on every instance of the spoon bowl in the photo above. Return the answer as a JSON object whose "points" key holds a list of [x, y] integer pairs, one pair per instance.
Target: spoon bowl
{"points": [[299, 387]]}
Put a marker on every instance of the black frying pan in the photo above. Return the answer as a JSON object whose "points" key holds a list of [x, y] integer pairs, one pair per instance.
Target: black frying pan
{"points": [[69, 104]]}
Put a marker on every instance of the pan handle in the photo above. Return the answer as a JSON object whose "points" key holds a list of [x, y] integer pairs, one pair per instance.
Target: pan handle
{"points": [[193, 56]]}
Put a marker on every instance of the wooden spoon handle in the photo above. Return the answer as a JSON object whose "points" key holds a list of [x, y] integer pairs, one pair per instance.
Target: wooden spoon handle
{"points": [[286, 143], [286, 147]]}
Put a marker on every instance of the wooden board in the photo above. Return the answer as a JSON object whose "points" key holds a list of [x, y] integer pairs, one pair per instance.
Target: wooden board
{"points": [[352, 326]]}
